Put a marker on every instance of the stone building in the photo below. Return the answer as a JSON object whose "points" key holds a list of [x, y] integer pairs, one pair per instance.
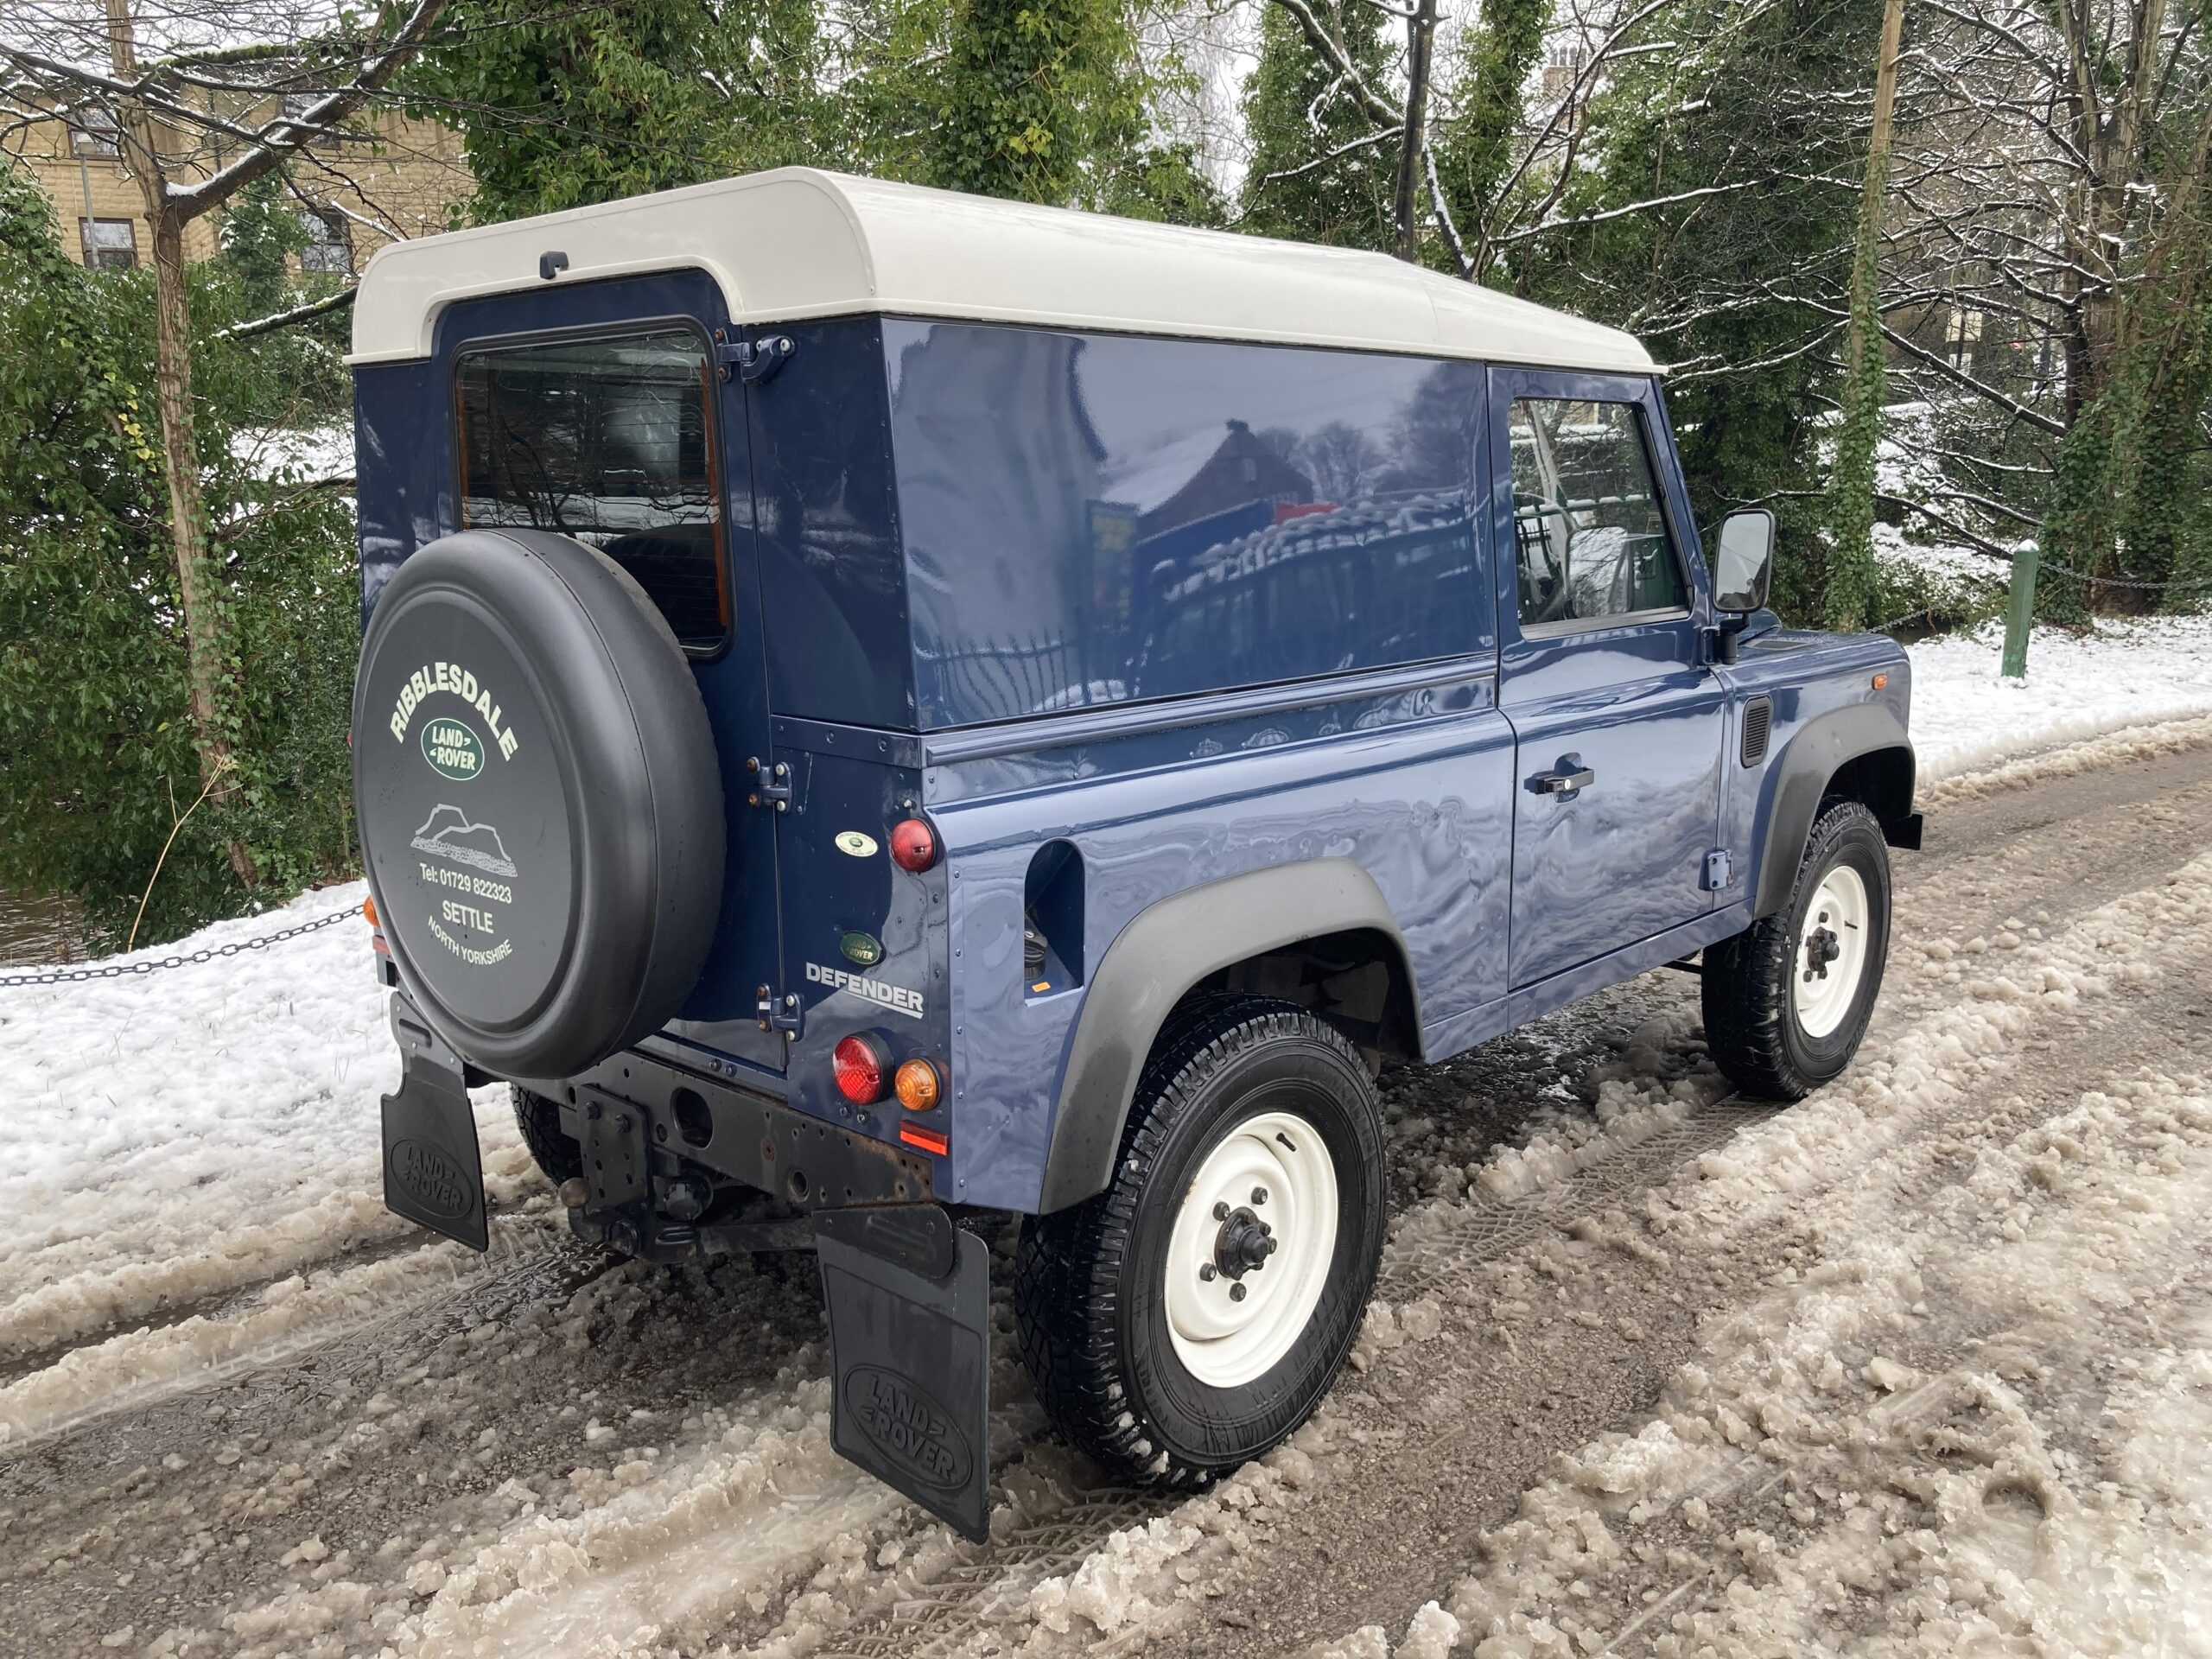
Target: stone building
{"points": [[383, 178]]}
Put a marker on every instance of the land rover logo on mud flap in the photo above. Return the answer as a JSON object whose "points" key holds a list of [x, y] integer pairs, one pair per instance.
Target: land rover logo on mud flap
{"points": [[908, 1427], [430, 1177], [451, 748]]}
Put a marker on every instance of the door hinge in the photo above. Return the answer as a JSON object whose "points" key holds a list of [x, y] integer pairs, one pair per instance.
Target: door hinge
{"points": [[753, 359], [772, 790], [782, 1013], [1719, 870]]}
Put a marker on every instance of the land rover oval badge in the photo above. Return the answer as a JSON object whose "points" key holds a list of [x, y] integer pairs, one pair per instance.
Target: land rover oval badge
{"points": [[857, 845], [453, 748], [909, 1428]]}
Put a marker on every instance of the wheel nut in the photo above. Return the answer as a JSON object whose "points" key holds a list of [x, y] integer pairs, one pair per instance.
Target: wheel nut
{"points": [[1259, 1195], [1236, 1291], [1207, 1272], [1220, 1211]]}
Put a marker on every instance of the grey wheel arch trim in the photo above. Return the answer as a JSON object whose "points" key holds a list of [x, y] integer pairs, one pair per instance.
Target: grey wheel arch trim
{"points": [[1164, 950], [1813, 755]]}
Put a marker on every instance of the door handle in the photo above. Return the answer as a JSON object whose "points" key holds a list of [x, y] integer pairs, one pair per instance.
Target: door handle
{"points": [[1568, 779]]}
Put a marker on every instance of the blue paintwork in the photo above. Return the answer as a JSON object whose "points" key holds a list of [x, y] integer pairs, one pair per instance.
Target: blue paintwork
{"points": [[1193, 607]]}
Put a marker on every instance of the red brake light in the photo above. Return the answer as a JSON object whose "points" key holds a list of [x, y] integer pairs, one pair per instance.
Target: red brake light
{"points": [[913, 844], [862, 1067]]}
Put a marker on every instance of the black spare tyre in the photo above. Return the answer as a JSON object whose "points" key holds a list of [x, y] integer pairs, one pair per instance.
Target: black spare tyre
{"points": [[539, 800]]}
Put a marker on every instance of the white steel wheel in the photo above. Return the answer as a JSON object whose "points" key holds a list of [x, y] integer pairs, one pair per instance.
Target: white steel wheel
{"points": [[1832, 952], [1249, 1255]]}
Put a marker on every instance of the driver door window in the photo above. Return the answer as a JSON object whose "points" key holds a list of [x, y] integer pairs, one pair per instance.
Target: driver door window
{"points": [[1590, 536]]}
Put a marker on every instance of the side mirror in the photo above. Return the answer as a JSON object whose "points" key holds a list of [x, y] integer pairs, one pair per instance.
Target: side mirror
{"points": [[1743, 560]]}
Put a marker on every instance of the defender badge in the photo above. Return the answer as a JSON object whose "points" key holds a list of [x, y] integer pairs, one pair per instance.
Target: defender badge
{"points": [[855, 844]]}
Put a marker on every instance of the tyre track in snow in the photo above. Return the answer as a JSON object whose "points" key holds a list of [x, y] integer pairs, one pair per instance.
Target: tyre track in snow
{"points": [[727, 1359]]}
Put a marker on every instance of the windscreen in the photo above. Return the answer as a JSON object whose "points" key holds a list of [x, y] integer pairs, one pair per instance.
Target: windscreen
{"points": [[610, 441]]}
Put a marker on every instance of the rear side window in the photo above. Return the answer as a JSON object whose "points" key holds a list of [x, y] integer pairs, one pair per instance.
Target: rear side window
{"points": [[610, 441], [1589, 532]]}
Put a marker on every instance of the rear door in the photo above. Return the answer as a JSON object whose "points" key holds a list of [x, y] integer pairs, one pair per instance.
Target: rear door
{"points": [[1617, 719], [600, 411]]}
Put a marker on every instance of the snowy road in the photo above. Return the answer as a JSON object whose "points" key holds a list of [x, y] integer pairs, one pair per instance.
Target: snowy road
{"points": [[1922, 1365]]}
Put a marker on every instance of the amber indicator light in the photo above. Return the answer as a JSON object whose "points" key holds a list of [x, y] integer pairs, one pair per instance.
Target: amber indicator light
{"points": [[917, 1086]]}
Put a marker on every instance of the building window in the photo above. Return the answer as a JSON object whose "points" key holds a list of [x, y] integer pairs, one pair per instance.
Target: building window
{"points": [[95, 133], [109, 244], [328, 248]]}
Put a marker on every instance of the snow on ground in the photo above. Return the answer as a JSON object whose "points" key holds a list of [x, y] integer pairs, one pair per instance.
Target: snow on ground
{"points": [[1966, 717], [1944, 1511], [173, 1138]]}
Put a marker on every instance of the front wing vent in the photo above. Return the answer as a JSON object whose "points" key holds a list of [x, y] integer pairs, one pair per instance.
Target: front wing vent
{"points": [[1758, 721]]}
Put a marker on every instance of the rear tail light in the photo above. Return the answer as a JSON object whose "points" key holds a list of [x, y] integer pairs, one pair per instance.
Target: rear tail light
{"points": [[933, 1141], [917, 1086], [913, 844], [861, 1066]]}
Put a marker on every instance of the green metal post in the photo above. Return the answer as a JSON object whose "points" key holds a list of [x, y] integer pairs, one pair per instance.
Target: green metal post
{"points": [[2019, 611]]}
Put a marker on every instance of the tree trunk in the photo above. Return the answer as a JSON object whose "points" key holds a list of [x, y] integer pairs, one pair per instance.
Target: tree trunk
{"points": [[1853, 583], [205, 627], [1421, 31]]}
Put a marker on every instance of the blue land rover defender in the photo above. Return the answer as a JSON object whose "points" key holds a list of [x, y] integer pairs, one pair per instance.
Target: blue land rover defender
{"points": [[877, 706]]}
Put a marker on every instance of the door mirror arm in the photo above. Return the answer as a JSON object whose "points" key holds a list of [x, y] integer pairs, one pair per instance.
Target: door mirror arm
{"points": [[1723, 636]]}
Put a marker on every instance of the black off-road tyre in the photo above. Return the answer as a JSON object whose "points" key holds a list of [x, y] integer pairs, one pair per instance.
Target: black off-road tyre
{"points": [[553, 1148], [1751, 1028], [1089, 1292]]}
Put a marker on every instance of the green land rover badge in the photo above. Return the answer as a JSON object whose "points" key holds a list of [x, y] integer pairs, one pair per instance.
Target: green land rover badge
{"points": [[453, 748]]}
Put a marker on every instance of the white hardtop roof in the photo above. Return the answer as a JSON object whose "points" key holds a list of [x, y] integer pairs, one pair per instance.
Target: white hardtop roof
{"points": [[797, 243]]}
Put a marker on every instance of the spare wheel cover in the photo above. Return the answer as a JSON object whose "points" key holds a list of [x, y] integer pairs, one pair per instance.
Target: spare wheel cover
{"points": [[539, 800]]}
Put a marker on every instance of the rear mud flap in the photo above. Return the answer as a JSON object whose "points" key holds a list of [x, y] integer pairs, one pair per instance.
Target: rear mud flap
{"points": [[433, 1173], [910, 1337]]}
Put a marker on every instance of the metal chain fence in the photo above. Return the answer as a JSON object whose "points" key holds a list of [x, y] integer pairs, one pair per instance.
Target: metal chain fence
{"points": [[124, 969]]}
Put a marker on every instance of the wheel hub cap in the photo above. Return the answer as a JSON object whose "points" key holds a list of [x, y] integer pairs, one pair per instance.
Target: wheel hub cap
{"points": [[1832, 952], [1243, 1245], [1254, 1239]]}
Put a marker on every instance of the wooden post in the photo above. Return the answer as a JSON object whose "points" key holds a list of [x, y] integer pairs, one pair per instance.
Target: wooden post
{"points": [[2019, 612], [1422, 29]]}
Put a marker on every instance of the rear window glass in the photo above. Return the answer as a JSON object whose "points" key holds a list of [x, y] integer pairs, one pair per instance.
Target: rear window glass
{"points": [[609, 441]]}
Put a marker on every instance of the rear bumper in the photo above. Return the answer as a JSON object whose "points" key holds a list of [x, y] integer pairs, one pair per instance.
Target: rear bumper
{"points": [[680, 1115]]}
